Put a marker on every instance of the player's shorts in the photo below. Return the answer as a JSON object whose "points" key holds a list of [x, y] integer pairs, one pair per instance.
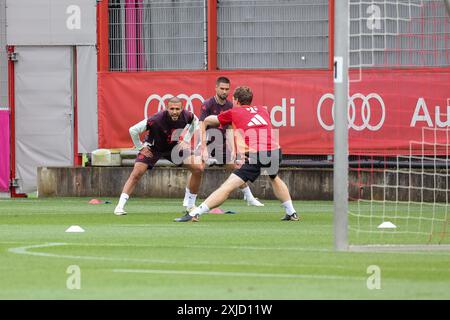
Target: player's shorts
{"points": [[263, 162], [176, 155]]}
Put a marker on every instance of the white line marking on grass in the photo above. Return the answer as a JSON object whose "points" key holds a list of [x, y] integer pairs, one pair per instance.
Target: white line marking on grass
{"points": [[300, 249], [237, 247], [160, 246], [24, 250], [239, 274]]}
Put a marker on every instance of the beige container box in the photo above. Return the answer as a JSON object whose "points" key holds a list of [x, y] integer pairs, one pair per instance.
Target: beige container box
{"points": [[105, 157]]}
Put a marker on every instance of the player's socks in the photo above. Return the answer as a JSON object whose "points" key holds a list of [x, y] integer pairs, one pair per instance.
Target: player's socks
{"points": [[248, 195], [201, 209], [288, 207], [123, 200], [186, 197], [189, 199], [251, 200]]}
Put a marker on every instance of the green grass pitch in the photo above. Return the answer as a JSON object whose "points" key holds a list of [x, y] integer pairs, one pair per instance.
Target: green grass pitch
{"points": [[247, 255]]}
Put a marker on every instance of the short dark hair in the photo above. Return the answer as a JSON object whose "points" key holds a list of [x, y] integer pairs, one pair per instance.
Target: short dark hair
{"points": [[243, 95], [222, 80], [174, 100]]}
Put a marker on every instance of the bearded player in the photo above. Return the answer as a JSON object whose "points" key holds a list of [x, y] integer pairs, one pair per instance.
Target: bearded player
{"points": [[164, 140]]}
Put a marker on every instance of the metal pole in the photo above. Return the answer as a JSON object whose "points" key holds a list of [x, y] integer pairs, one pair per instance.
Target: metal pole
{"points": [[340, 182]]}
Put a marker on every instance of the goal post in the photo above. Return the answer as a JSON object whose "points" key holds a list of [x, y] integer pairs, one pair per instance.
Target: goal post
{"points": [[391, 149], [341, 87]]}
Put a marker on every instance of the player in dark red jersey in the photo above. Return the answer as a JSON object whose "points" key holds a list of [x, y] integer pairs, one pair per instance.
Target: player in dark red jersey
{"points": [[164, 140], [214, 140], [256, 140]]}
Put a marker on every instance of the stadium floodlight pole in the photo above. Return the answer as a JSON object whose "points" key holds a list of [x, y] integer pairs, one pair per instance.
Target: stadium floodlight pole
{"points": [[340, 170]]}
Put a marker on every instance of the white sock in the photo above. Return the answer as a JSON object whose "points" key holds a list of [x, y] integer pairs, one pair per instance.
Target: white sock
{"points": [[288, 207], [201, 209], [248, 195], [123, 200], [191, 202], [189, 199], [186, 197]]}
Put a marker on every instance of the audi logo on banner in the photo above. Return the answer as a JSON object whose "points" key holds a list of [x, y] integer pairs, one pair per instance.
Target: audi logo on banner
{"points": [[371, 115], [189, 106]]}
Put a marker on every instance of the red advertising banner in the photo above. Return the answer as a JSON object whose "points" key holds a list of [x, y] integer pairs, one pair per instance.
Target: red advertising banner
{"points": [[4, 150], [387, 109]]}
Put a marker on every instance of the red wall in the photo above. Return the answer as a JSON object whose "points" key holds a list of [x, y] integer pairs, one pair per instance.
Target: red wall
{"points": [[388, 108]]}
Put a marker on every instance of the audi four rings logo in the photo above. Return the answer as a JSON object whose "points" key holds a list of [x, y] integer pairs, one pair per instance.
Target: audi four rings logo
{"points": [[161, 106], [366, 122]]}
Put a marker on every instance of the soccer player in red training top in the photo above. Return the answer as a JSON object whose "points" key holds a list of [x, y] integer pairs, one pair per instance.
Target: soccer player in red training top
{"points": [[214, 140], [262, 153], [164, 141]]}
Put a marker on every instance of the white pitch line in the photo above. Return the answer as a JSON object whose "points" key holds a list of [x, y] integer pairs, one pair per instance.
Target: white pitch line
{"points": [[239, 274], [237, 247], [300, 249], [24, 250]]}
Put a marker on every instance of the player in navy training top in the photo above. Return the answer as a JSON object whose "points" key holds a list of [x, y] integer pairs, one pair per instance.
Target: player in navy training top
{"points": [[165, 139]]}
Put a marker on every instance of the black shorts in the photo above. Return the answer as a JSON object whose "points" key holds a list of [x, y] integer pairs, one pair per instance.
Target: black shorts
{"points": [[176, 155], [263, 162]]}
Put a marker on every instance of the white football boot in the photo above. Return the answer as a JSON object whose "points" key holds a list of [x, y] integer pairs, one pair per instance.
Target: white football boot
{"points": [[119, 211], [254, 202]]}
